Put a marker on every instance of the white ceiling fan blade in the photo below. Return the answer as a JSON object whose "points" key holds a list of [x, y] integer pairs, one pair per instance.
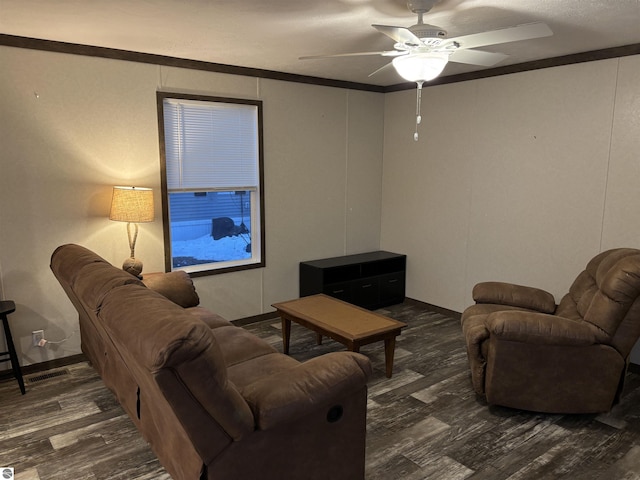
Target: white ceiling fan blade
{"points": [[383, 68], [390, 53], [504, 35], [399, 34], [477, 57]]}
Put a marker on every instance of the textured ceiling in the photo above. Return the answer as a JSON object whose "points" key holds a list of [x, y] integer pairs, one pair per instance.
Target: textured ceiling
{"points": [[272, 34]]}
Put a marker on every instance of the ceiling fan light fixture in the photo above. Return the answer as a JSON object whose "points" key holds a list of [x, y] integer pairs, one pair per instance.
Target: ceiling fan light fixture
{"points": [[420, 67]]}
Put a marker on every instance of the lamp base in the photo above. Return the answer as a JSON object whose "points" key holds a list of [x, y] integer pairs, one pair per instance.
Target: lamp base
{"points": [[133, 266]]}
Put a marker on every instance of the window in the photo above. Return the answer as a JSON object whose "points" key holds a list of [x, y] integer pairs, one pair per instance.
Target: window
{"points": [[212, 183]]}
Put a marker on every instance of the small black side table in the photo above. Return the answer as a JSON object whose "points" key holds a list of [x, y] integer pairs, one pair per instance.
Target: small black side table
{"points": [[7, 307]]}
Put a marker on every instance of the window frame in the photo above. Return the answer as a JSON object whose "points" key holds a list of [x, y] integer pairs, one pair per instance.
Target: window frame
{"points": [[166, 225]]}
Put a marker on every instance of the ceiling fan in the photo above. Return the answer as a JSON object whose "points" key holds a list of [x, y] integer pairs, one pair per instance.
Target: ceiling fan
{"points": [[422, 51]]}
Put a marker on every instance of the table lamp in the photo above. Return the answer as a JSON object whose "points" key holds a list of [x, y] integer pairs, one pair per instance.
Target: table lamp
{"points": [[132, 205]]}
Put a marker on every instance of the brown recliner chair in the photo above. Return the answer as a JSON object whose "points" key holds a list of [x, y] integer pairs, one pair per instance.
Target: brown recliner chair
{"points": [[527, 353]]}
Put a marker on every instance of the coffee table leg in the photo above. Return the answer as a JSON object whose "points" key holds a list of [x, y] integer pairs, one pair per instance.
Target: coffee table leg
{"points": [[389, 350], [318, 339], [286, 334]]}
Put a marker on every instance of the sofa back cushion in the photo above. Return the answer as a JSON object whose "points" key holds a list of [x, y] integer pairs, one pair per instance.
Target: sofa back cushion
{"points": [[67, 260], [95, 280], [87, 275], [165, 341]]}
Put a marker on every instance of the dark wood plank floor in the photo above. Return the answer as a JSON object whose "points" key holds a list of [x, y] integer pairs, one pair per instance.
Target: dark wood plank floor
{"points": [[423, 423]]}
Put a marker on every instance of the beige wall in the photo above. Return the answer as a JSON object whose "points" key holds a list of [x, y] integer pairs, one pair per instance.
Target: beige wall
{"points": [[72, 127], [519, 178]]}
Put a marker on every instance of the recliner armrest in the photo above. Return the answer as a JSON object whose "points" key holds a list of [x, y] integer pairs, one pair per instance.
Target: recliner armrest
{"points": [[294, 393], [513, 295], [542, 329], [177, 286]]}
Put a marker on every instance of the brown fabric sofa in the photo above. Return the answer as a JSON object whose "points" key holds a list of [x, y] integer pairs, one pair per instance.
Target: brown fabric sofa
{"points": [[213, 400], [525, 352]]}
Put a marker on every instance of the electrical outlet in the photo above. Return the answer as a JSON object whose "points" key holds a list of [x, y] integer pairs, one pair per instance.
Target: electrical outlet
{"points": [[36, 337]]}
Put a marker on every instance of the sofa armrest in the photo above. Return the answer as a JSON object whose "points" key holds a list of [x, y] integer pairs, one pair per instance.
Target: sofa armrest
{"points": [[176, 286], [299, 391], [542, 329], [513, 295]]}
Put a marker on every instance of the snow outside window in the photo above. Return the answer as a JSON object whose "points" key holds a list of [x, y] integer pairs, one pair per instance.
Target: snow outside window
{"points": [[211, 154]]}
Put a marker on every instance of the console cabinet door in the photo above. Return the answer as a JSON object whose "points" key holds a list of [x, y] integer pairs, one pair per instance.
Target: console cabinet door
{"points": [[392, 288], [341, 291], [366, 292]]}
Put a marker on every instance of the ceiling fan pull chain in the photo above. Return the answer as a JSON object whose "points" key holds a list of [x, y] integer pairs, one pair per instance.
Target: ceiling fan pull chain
{"points": [[418, 108]]}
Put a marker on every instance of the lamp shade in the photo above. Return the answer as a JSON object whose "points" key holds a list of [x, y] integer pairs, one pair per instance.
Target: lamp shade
{"points": [[420, 67], [132, 204]]}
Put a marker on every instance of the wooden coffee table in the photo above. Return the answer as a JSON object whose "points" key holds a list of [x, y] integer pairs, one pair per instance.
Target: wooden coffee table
{"points": [[345, 323]]}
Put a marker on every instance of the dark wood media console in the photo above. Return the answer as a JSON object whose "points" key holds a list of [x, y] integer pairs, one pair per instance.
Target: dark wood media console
{"points": [[370, 280]]}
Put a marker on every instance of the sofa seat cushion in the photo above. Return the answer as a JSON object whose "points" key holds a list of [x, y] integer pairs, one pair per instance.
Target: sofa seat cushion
{"points": [[212, 320], [252, 370], [238, 345], [486, 309]]}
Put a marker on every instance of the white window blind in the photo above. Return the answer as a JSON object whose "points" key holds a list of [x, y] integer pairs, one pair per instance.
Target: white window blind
{"points": [[210, 146]]}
